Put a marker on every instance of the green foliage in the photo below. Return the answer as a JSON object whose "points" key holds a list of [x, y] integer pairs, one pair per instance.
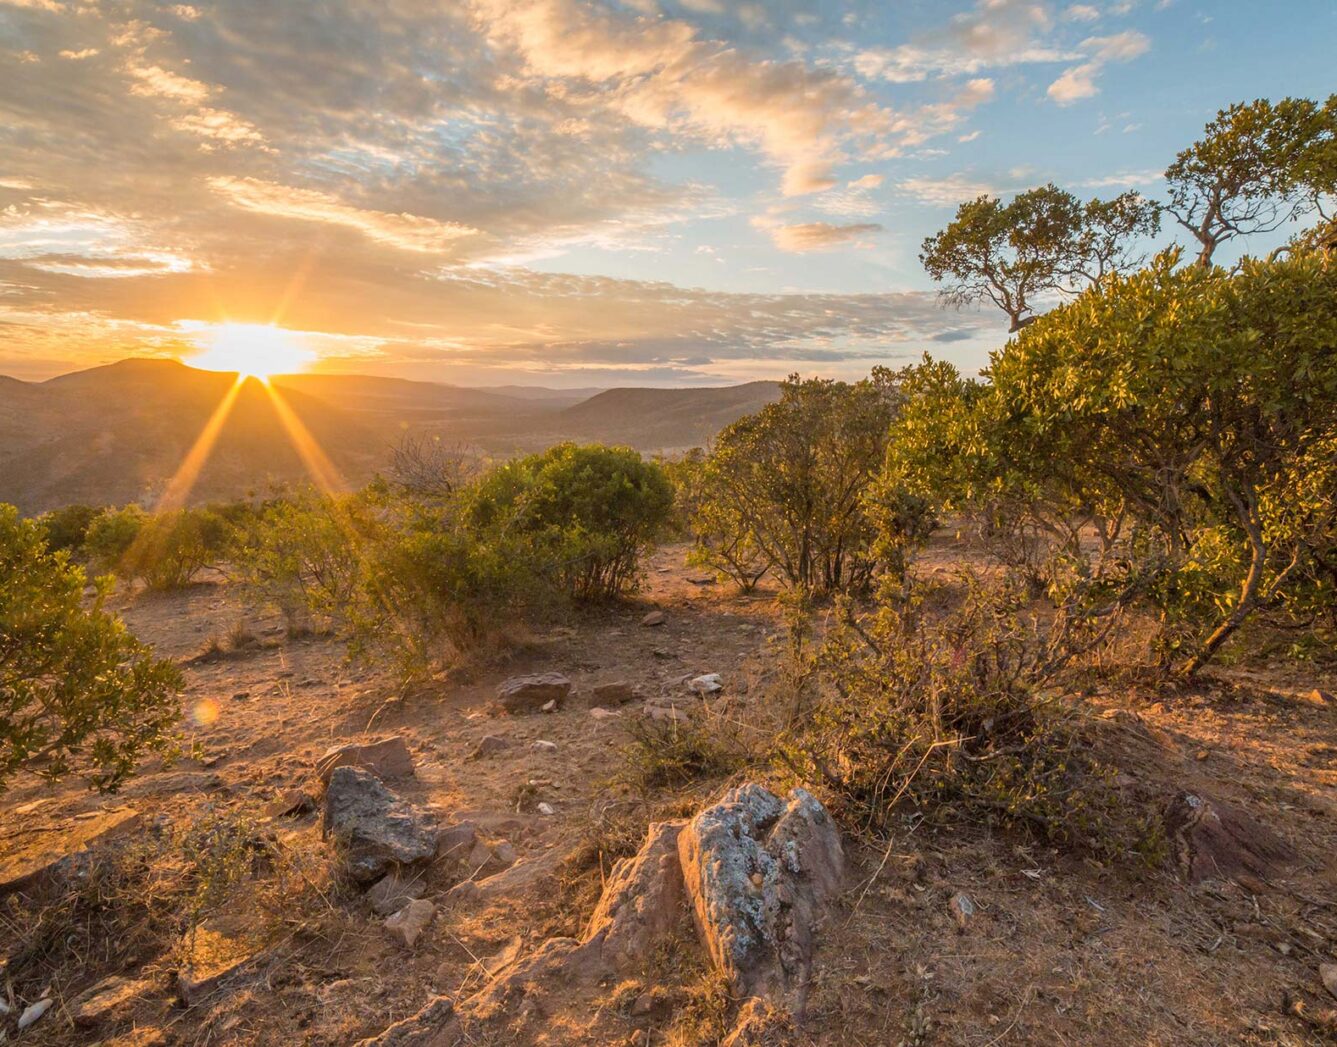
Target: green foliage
{"points": [[1186, 415], [947, 716], [589, 513], [1044, 240], [66, 529], [162, 550], [77, 691], [783, 489], [1256, 167]]}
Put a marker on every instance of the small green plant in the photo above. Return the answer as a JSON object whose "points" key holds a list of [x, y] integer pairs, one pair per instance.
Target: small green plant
{"points": [[77, 690], [670, 754]]}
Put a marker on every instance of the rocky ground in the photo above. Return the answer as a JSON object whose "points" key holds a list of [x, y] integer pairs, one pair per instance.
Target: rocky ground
{"points": [[479, 897]]}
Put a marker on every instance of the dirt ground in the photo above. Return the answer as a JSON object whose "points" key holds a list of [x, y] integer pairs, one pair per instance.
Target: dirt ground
{"points": [[1059, 949]]}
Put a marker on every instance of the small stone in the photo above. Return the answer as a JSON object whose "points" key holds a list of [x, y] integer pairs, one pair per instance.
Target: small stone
{"points": [[528, 694], [544, 746], [504, 852], [93, 1005], [290, 802], [613, 694], [603, 714], [490, 744], [644, 1005], [1328, 973], [550, 707], [660, 652], [408, 924], [962, 908], [710, 683], [546, 809], [1320, 698], [652, 619], [392, 892], [33, 1012], [242, 696], [455, 841]]}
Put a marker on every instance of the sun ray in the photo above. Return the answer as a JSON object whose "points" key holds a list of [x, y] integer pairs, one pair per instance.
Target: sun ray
{"points": [[317, 462], [183, 480]]}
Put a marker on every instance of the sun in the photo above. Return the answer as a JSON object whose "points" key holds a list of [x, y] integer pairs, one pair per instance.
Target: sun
{"points": [[252, 350]]}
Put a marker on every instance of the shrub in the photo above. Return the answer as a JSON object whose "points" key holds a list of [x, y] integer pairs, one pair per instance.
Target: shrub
{"points": [[66, 529], [77, 690], [783, 489], [590, 513], [163, 550], [949, 717]]}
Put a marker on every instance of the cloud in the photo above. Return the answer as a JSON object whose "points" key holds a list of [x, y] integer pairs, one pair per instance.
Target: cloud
{"points": [[407, 232], [948, 191], [819, 236], [1124, 180], [53, 237], [1079, 81]]}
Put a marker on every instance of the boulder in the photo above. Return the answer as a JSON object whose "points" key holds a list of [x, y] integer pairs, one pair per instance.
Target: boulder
{"points": [[529, 694], [407, 925], [29, 855], [642, 901], [374, 830], [1212, 840], [386, 758], [759, 872], [99, 1002]]}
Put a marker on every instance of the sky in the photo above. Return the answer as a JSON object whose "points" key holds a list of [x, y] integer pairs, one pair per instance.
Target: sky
{"points": [[570, 193]]}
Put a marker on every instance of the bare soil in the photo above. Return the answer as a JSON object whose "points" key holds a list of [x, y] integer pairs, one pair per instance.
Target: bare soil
{"points": [[1059, 949]]}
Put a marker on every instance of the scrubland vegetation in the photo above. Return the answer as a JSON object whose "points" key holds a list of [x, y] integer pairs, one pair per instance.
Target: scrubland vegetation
{"points": [[1150, 470]]}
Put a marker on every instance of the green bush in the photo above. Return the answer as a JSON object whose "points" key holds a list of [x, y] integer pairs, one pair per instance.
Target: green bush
{"points": [[162, 550], [784, 489], [66, 529], [77, 690], [588, 513]]}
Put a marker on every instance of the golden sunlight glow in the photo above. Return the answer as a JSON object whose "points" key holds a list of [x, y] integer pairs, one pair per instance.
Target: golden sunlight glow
{"points": [[252, 350]]}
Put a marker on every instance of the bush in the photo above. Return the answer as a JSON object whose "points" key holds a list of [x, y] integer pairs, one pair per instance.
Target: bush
{"points": [[163, 550], [949, 717], [589, 514], [76, 689], [66, 529], [783, 489]]}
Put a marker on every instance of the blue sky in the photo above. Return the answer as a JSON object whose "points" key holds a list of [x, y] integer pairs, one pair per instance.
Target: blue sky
{"points": [[573, 193]]}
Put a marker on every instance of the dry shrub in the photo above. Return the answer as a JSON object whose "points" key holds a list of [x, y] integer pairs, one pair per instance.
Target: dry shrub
{"points": [[957, 716]]}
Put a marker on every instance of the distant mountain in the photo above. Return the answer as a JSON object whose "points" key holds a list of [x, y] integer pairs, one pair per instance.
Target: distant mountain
{"points": [[118, 433]]}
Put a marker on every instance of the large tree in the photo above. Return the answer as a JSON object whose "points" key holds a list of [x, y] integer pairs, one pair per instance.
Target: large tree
{"points": [[1256, 167], [1044, 241]]}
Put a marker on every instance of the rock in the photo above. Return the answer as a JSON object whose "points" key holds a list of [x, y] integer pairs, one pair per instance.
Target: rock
{"points": [[290, 802], [386, 758], [28, 856], [710, 683], [218, 949], [652, 619], [409, 922], [97, 1003], [1328, 973], [546, 809], [374, 829], [760, 933], [455, 842], [529, 694], [1320, 698], [33, 1013], [665, 712], [598, 713], [544, 746], [1211, 840], [613, 694], [489, 745], [643, 900], [431, 1025], [963, 908], [550, 707], [392, 892]]}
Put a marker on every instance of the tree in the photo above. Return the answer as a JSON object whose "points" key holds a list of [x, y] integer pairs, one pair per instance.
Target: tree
{"points": [[77, 690], [784, 488], [1044, 241], [1256, 167], [1198, 406]]}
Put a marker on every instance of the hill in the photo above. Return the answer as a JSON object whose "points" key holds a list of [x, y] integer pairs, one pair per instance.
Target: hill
{"points": [[117, 433]]}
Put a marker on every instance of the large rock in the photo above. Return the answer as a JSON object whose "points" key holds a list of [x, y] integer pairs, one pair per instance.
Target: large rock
{"points": [[642, 900], [374, 830], [29, 856], [1212, 840], [386, 758], [529, 694], [759, 872]]}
